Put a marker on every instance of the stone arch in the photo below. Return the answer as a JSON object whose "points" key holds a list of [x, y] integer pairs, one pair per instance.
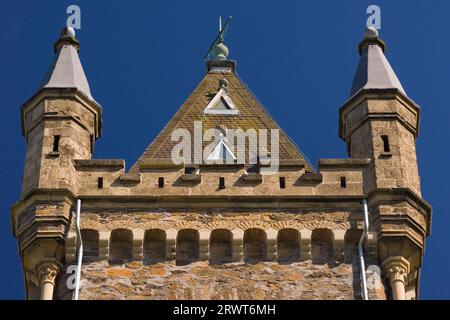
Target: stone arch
{"points": [[187, 246], [255, 245], [287, 224], [120, 245], [90, 239], [321, 246], [90, 224], [181, 225], [154, 245], [120, 224], [221, 246], [288, 245], [161, 225], [253, 224], [351, 240], [221, 224]]}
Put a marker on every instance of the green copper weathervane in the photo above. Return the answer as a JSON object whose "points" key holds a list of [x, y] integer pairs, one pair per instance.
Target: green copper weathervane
{"points": [[218, 50]]}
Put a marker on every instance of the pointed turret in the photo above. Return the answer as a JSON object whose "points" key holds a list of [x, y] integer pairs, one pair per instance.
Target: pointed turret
{"points": [[381, 123], [374, 70], [66, 71], [379, 111], [60, 122]]}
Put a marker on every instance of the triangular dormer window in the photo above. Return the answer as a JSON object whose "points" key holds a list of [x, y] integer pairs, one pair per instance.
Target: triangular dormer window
{"points": [[222, 153], [221, 103]]}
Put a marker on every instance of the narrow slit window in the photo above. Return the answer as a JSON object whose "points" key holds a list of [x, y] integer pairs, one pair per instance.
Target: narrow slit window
{"points": [[343, 182], [92, 144], [386, 146], [282, 182], [221, 183], [161, 182], [56, 143], [100, 182]]}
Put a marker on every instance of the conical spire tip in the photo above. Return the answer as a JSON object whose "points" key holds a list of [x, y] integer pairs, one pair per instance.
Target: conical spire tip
{"points": [[67, 38], [371, 33], [68, 32], [371, 37]]}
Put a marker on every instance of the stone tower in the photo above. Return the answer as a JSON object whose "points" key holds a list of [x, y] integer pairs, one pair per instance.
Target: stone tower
{"points": [[379, 121], [60, 123], [237, 214]]}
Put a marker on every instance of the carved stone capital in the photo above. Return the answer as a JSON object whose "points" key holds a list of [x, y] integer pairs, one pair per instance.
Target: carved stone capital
{"points": [[397, 269], [47, 272]]}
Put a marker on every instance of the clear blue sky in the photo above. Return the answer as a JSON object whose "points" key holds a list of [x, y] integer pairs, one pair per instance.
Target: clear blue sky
{"points": [[143, 59]]}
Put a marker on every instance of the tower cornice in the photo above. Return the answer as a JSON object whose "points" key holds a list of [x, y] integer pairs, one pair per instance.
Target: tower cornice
{"points": [[389, 195], [379, 94], [63, 93]]}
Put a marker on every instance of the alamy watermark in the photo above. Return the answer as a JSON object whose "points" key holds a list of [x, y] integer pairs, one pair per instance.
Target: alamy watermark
{"points": [[71, 279], [74, 18], [374, 20], [227, 146], [373, 278]]}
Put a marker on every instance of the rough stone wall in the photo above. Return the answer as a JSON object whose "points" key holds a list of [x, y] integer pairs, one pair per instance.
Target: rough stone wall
{"points": [[408, 161], [323, 266], [397, 168], [35, 140], [394, 168], [67, 119], [200, 280]]}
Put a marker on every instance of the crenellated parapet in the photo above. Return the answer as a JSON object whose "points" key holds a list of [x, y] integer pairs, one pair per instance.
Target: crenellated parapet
{"points": [[233, 222]]}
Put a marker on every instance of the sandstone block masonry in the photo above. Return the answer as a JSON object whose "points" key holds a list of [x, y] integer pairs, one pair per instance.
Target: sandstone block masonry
{"points": [[221, 231]]}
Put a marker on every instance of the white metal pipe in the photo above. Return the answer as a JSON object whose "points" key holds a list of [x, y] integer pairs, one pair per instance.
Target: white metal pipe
{"points": [[361, 251], [80, 251]]}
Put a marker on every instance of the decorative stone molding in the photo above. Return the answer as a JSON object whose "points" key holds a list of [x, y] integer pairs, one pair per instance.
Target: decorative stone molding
{"points": [[188, 225], [253, 224], [397, 269], [89, 224], [47, 273], [120, 224], [221, 224], [205, 229], [397, 273], [151, 225], [286, 224], [326, 224]]}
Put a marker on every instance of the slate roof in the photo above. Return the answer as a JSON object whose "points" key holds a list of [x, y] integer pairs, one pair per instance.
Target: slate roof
{"points": [[66, 70], [374, 70], [251, 115]]}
